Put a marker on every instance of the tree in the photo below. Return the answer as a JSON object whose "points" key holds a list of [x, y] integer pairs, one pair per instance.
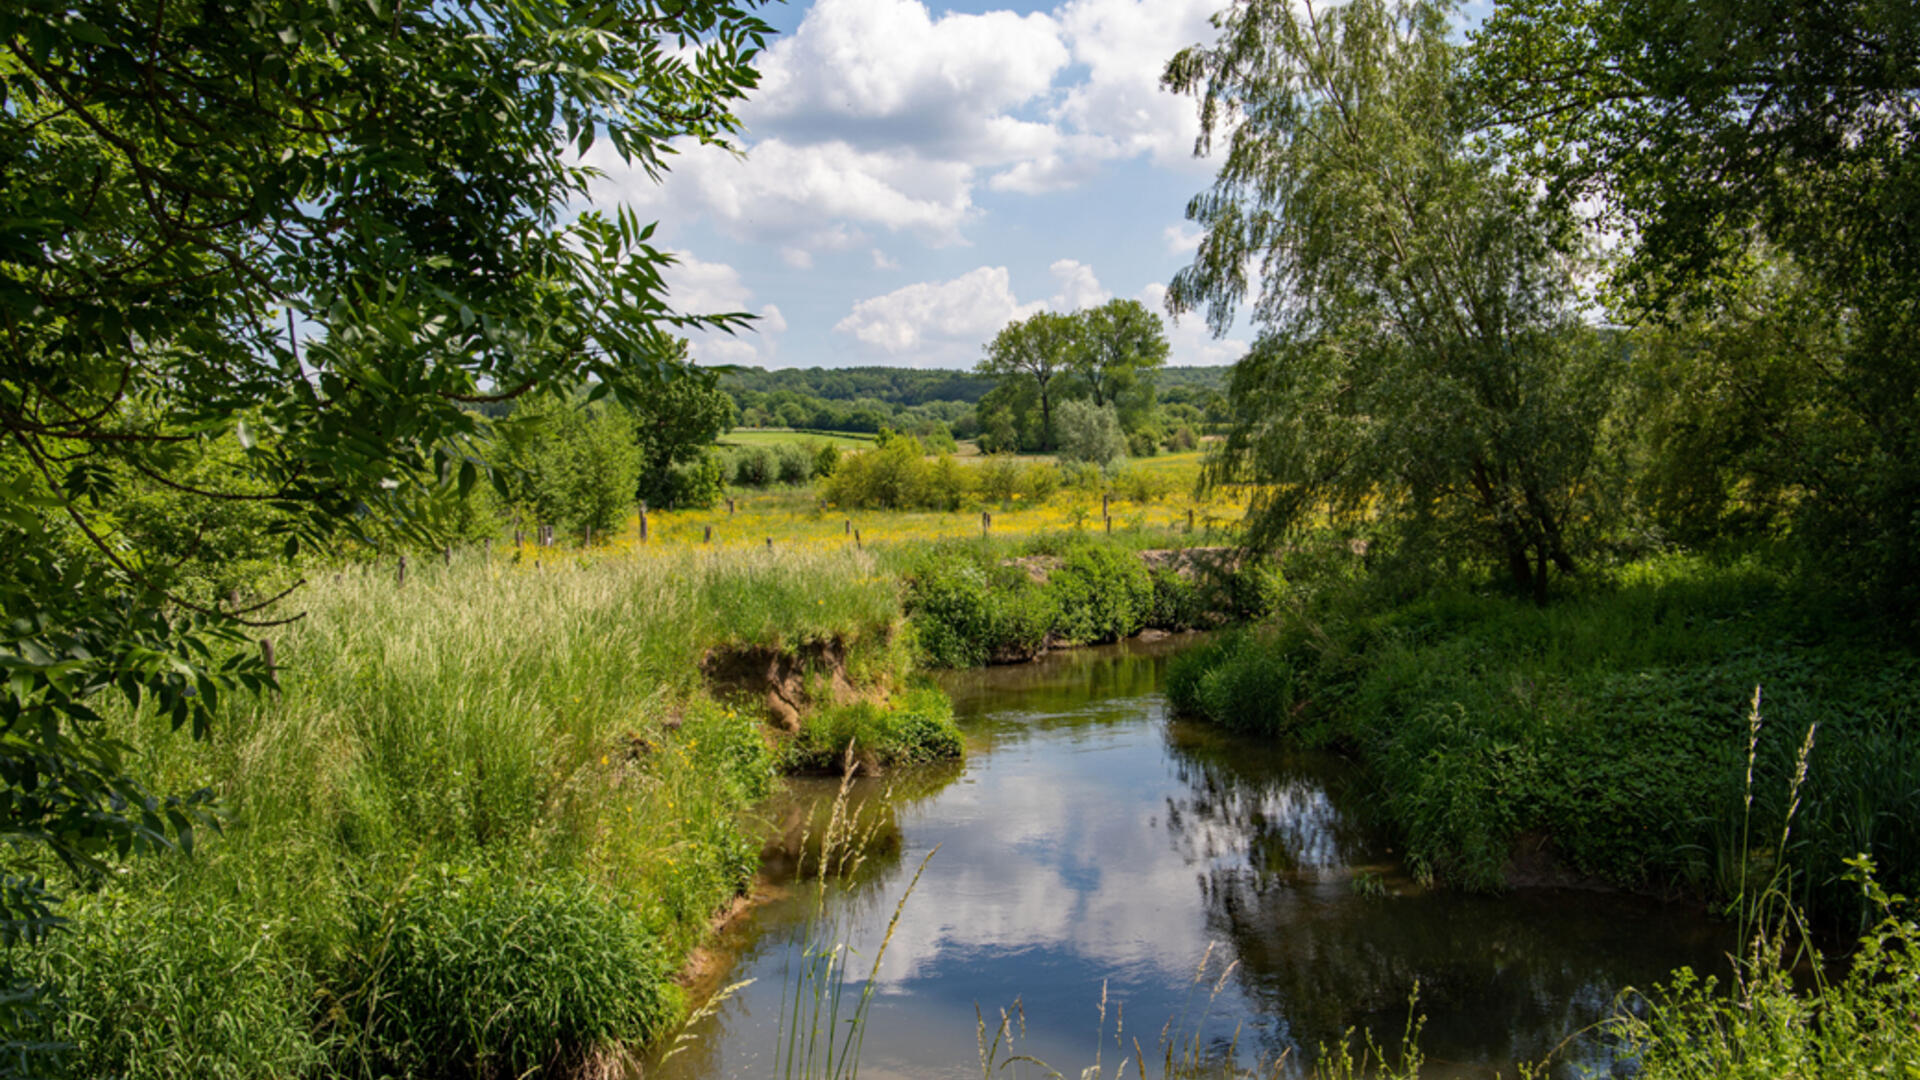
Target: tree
{"points": [[1417, 358], [575, 466], [1117, 344], [673, 426], [1036, 350], [1091, 433], [318, 236], [1735, 140]]}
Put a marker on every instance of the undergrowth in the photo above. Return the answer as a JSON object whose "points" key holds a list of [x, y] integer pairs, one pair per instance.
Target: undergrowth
{"points": [[1609, 725]]}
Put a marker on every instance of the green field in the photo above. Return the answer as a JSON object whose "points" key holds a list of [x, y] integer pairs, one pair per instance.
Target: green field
{"points": [[845, 440]]}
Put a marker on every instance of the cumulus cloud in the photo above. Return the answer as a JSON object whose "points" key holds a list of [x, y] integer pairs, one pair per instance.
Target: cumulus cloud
{"points": [[1182, 240], [947, 323], [878, 114], [937, 323], [785, 192], [1190, 343], [1124, 45], [698, 287], [887, 74]]}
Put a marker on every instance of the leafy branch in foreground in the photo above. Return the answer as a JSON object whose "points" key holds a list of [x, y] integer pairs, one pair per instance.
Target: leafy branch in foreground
{"points": [[303, 242]]}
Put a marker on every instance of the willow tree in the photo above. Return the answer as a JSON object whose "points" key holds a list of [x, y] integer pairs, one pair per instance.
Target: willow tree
{"points": [[1419, 362]]}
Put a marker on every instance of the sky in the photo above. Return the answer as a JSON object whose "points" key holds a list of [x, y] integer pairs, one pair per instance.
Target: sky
{"points": [[916, 176]]}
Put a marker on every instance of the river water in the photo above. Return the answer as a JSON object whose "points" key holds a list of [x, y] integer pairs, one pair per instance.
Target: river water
{"points": [[1226, 892]]}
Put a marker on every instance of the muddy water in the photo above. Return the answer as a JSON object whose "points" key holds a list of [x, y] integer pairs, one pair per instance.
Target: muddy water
{"points": [[1225, 892]]}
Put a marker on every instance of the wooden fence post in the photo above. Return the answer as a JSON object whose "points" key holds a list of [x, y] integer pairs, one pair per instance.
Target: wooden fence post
{"points": [[1189, 519], [769, 543], [486, 548], [847, 530], [729, 506], [856, 539], [1109, 518], [986, 523], [446, 555], [709, 537], [1105, 504], [266, 653], [643, 521], [401, 577], [589, 542]]}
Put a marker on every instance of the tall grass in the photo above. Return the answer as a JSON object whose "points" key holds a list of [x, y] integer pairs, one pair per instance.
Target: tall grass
{"points": [[485, 818]]}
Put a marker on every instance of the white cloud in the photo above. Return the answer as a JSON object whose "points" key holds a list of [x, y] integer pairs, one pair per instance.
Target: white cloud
{"points": [[782, 191], [698, 287], [887, 74], [1079, 288], [798, 258], [1125, 45], [1182, 240], [1190, 343], [883, 261], [947, 323], [937, 323]]}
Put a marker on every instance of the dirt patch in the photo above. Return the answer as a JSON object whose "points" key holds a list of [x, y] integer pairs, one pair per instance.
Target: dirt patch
{"points": [[1038, 567], [779, 678], [1194, 562]]}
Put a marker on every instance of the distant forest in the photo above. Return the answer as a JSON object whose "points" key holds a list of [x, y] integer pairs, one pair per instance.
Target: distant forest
{"points": [[905, 399]]}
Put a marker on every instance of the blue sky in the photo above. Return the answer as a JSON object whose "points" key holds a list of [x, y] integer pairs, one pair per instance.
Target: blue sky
{"points": [[916, 176]]}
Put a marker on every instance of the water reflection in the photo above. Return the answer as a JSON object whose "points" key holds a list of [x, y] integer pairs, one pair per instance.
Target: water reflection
{"points": [[1090, 841]]}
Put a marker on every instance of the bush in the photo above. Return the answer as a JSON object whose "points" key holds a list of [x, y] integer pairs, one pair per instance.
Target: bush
{"points": [[1181, 439], [493, 972], [753, 466], [1089, 433], [1039, 481], [696, 483], [573, 467], [826, 458], [1239, 681], [963, 617], [1178, 603], [792, 464], [916, 729], [1103, 595], [998, 478]]}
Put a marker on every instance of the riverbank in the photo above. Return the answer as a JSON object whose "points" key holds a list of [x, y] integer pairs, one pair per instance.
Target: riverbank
{"points": [[492, 811], [1606, 738], [480, 828]]}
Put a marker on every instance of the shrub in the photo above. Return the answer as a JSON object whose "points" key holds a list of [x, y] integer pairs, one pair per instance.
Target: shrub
{"points": [[754, 466], [826, 458], [696, 483], [1089, 433], [1103, 595], [915, 729], [965, 616], [486, 971], [792, 464], [998, 478], [1178, 603], [1039, 481], [1181, 439], [1239, 681]]}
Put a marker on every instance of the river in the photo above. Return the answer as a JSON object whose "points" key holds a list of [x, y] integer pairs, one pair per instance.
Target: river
{"points": [[1226, 892]]}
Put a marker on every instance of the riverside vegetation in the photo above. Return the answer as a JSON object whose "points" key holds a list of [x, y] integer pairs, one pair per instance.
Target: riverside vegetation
{"points": [[493, 808]]}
